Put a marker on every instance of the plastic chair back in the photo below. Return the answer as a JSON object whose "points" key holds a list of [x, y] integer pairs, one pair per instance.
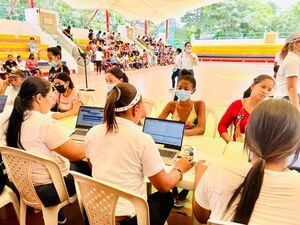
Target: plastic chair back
{"points": [[213, 126], [151, 107], [100, 198], [87, 98], [18, 165]]}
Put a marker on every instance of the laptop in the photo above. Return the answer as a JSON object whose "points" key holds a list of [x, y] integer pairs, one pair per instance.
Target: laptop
{"points": [[3, 99], [88, 117], [168, 134]]}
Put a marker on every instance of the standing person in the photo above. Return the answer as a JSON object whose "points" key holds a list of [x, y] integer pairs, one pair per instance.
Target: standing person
{"points": [[91, 35], [288, 80], [188, 59], [264, 191], [54, 59], [98, 35], [132, 156], [33, 46], [176, 69], [239, 111], [99, 56]]}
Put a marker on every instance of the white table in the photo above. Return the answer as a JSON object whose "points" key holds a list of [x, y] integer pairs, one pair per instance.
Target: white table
{"points": [[205, 148]]}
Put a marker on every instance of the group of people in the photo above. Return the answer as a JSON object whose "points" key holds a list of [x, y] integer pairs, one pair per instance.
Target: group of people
{"points": [[108, 50], [262, 191]]}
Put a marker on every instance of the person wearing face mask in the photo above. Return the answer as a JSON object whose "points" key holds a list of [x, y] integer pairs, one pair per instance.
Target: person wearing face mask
{"points": [[66, 99], [54, 58], [132, 156], [30, 128], [15, 80], [238, 112], [114, 76], [187, 59], [288, 81], [190, 112]]}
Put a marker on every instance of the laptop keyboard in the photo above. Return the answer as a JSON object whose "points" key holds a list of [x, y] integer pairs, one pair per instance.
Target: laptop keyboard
{"points": [[80, 132], [167, 154]]}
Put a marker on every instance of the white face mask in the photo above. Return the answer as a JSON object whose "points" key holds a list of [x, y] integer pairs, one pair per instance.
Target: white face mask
{"points": [[109, 87], [183, 95]]}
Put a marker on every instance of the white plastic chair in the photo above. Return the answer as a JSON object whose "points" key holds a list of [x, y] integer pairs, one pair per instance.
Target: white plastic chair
{"points": [[100, 198], [8, 196], [211, 111], [87, 98], [18, 165], [151, 107], [220, 222]]}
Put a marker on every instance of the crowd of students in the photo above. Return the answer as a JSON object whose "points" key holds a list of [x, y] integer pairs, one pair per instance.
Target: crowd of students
{"points": [[108, 50], [243, 192]]}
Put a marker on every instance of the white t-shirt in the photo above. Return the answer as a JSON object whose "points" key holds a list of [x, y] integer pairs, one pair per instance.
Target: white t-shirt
{"points": [[46, 135], [99, 56], [187, 61], [289, 67], [11, 95], [22, 65], [277, 204], [123, 158]]}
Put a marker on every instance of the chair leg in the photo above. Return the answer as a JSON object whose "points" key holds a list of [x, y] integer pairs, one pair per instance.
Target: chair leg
{"points": [[50, 215], [23, 209], [15, 203]]}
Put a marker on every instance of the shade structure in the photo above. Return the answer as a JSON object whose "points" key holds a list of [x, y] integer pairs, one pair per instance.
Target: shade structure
{"points": [[154, 10]]}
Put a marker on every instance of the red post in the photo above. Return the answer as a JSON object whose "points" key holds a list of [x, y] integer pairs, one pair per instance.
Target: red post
{"points": [[31, 3], [95, 12], [146, 27], [107, 20], [167, 29]]}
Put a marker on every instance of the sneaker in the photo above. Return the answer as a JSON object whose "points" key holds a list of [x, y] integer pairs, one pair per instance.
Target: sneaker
{"points": [[61, 218], [179, 203]]}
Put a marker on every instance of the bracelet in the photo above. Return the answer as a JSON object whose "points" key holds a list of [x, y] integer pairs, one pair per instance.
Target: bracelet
{"points": [[179, 170]]}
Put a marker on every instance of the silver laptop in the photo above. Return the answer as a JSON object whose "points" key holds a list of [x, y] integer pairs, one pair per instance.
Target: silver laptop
{"points": [[168, 135], [88, 117], [3, 99]]}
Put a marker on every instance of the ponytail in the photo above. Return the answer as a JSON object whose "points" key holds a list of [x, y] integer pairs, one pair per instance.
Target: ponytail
{"points": [[119, 100], [249, 192], [109, 111], [284, 51]]}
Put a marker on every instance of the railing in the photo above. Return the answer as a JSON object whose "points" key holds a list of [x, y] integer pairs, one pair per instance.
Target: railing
{"points": [[56, 39]]}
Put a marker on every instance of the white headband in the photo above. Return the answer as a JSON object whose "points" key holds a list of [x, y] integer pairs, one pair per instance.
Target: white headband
{"points": [[136, 99]]}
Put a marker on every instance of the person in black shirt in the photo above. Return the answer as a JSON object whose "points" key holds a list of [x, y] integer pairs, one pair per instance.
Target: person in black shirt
{"points": [[54, 58], [10, 64]]}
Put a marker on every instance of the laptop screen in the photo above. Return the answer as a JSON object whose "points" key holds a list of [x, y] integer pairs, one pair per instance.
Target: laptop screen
{"points": [[3, 99], [166, 132], [89, 117]]}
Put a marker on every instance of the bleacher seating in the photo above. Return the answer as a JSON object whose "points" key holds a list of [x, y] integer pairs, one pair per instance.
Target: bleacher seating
{"points": [[82, 43], [19, 45]]}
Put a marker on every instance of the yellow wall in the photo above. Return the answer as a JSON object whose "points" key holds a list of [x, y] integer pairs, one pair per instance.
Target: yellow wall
{"points": [[237, 50]]}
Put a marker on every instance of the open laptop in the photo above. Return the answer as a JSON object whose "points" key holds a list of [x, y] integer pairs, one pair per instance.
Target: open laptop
{"points": [[167, 133], [3, 99], [87, 118]]}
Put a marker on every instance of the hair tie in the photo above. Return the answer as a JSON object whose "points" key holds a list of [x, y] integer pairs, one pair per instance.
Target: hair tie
{"points": [[119, 93]]}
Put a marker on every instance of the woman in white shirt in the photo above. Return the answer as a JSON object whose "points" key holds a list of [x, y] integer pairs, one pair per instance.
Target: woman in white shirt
{"points": [[288, 80], [187, 59], [264, 191], [120, 153], [99, 56], [32, 129], [176, 69]]}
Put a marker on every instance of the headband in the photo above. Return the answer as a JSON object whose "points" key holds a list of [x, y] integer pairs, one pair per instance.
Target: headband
{"points": [[136, 99]]}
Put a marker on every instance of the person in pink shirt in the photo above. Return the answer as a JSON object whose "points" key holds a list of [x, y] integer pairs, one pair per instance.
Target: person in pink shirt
{"points": [[33, 65]]}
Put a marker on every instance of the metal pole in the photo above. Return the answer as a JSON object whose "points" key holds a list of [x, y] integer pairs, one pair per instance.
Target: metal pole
{"points": [[31, 3], [107, 20], [95, 13], [167, 29]]}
